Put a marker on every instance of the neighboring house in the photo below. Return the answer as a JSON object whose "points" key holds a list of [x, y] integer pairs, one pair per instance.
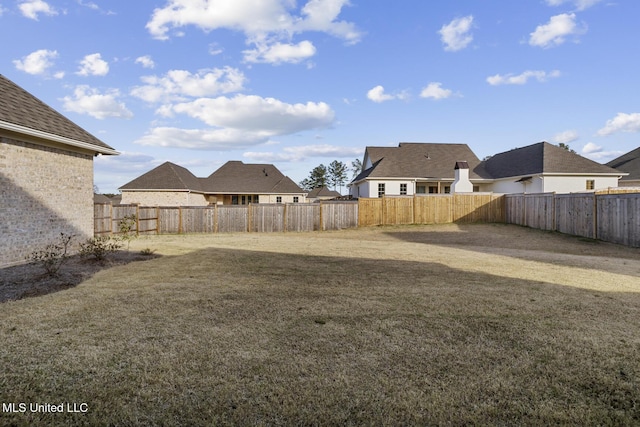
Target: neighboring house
{"points": [[414, 168], [101, 199], [418, 168], [46, 175], [235, 183], [546, 168], [629, 163], [165, 185], [322, 193]]}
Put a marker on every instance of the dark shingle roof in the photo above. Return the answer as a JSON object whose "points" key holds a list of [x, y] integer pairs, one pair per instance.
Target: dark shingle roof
{"points": [[167, 176], [322, 192], [629, 163], [541, 158], [19, 107], [238, 177], [419, 160]]}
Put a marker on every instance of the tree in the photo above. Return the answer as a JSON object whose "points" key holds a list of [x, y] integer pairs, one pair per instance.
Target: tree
{"points": [[566, 147], [317, 178], [356, 167], [337, 174]]}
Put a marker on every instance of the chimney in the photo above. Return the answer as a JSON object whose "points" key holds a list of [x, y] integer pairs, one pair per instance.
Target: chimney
{"points": [[461, 183]]}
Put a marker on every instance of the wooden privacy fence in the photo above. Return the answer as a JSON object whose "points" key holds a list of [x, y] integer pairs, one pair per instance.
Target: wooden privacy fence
{"points": [[431, 209], [257, 218], [613, 217]]}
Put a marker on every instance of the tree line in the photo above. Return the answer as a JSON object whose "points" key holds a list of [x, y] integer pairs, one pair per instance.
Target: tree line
{"points": [[333, 176]]}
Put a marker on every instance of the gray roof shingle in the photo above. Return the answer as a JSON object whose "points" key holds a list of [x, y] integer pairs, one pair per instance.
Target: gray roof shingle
{"points": [[167, 176], [19, 107], [234, 177], [629, 163], [238, 177], [541, 158], [419, 160], [322, 192]]}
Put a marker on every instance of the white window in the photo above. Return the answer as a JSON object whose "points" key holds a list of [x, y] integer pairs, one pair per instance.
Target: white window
{"points": [[380, 189]]}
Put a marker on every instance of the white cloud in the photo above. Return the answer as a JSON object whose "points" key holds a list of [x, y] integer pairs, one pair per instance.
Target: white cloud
{"points": [[322, 15], [456, 34], [256, 114], [377, 94], [623, 122], [565, 137], [434, 90], [178, 84], [591, 148], [556, 31], [31, 8], [90, 101], [520, 79], [93, 65], [126, 161], [301, 153], [267, 24], [278, 53], [597, 153], [579, 4], [238, 122], [38, 62], [253, 17], [145, 61], [200, 139]]}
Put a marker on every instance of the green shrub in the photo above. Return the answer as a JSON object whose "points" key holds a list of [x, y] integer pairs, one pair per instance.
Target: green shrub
{"points": [[98, 247], [127, 228]]}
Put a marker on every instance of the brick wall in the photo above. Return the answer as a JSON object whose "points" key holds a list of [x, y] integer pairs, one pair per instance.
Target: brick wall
{"points": [[163, 198], [44, 191]]}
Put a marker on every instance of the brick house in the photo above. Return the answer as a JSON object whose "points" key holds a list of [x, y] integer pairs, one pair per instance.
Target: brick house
{"points": [[234, 183], [46, 175]]}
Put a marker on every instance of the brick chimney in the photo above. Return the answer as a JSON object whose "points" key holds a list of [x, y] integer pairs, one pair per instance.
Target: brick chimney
{"points": [[461, 183]]}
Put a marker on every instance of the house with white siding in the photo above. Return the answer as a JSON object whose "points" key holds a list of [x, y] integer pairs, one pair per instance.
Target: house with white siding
{"points": [[431, 168]]}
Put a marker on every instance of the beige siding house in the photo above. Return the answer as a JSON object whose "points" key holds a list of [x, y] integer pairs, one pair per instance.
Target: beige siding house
{"points": [[235, 183], [322, 193], [46, 175]]}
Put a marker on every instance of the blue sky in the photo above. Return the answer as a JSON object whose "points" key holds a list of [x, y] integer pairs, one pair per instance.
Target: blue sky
{"points": [[299, 83]]}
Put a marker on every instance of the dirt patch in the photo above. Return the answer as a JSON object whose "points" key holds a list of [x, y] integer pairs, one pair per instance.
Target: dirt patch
{"points": [[30, 280]]}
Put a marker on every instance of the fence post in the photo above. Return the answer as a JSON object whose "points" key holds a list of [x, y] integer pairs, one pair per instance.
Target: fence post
{"points": [[157, 220], [110, 219], [284, 219], [595, 215], [179, 219], [321, 213], [216, 218], [553, 207], [137, 220]]}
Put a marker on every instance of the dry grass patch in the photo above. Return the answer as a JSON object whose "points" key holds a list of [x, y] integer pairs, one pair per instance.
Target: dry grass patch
{"points": [[406, 325]]}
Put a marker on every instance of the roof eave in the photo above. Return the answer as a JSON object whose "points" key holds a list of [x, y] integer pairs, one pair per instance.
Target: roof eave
{"points": [[57, 138]]}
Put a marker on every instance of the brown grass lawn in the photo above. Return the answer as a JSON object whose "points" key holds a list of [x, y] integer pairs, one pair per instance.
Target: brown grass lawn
{"points": [[445, 325]]}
